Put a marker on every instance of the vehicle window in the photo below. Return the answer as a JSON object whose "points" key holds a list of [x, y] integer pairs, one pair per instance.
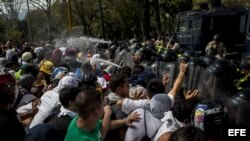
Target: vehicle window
{"points": [[195, 25], [183, 26]]}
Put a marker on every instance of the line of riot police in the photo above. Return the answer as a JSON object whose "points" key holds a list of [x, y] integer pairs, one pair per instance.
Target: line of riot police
{"points": [[214, 79]]}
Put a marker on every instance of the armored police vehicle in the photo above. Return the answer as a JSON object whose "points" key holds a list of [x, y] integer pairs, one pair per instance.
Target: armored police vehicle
{"points": [[248, 34], [195, 28]]}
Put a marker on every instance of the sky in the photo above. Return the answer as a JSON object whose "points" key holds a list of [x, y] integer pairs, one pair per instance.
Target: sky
{"points": [[22, 14], [24, 11]]}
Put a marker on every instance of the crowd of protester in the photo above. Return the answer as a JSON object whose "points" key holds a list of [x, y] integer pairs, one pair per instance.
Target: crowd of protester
{"points": [[49, 94]]}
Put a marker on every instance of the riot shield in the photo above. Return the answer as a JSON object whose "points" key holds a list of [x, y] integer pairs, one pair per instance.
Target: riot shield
{"points": [[128, 59], [133, 47], [209, 85], [169, 68], [196, 77], [119, 54], [106, 54], [117, 57], [217, 81], [193, 76], [147, 64], [154, 68], [103, 51], [196, 67]]}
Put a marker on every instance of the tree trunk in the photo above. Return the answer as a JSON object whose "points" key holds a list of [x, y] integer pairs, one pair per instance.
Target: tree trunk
{"points": [[157, 16], [146, 23], [84, 23], [49, 26], [138, 28]]}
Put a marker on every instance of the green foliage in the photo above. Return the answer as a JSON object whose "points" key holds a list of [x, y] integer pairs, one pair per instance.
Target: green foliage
{"points": [[2, 30], [175, 6], [236, 2], [39, 24], [169, 9], [10, 33], [2, 26], [245, 3], [196, 3], [123, 19], [59, 20], [120, 17], [13, 34]]}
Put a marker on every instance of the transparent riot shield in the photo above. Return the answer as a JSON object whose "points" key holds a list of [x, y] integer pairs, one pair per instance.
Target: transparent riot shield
{"points": [[154, 68], [103, 51], [209, 86], [197, 76], [128, 59], [169, 68], [218, 81], [147, 64], [119, 55], [106, 54], [196, 67], [193, 76]]}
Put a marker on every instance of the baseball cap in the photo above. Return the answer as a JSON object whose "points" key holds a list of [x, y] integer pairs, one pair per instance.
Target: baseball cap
{"points": [[67, 81], [26, 56]]}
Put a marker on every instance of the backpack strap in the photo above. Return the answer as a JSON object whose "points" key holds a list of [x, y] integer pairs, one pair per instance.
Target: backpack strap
{"points": [[145, 123]]}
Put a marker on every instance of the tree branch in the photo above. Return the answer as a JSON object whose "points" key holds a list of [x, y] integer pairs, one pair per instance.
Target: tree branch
{"points": [[41, 4]]}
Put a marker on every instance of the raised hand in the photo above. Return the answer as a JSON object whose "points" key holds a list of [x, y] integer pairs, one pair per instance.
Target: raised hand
{"points": [[190, 94]]}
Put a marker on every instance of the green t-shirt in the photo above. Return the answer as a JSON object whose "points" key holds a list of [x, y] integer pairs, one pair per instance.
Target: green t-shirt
{"points": [[76, 134]]}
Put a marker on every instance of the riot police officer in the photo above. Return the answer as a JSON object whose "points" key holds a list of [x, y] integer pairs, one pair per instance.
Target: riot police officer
{"points": [[217, 44]]}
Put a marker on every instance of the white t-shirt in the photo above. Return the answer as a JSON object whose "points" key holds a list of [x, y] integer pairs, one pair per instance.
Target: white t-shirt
{"points": [[170, 124], [130, 105], [49, 101], [147, 125]]}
